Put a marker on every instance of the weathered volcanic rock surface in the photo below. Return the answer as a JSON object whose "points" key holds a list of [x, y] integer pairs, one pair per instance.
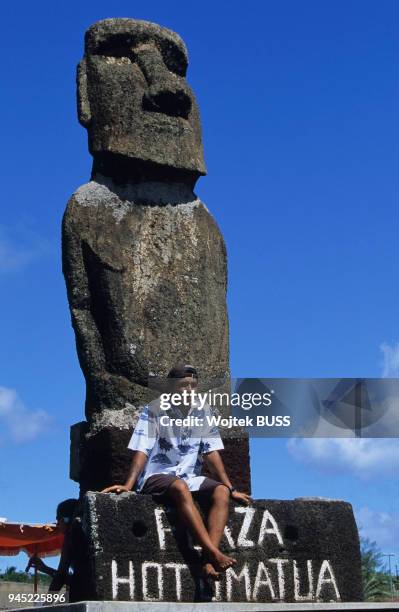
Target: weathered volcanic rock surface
{"points": [[145, 268], [135, 101], [292, 551], [100, 457]]}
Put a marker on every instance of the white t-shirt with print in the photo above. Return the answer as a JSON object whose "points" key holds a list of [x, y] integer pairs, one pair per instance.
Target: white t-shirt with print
{"points": [[172, 449]]}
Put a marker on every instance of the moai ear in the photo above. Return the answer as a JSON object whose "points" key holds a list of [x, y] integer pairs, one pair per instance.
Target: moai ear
{"points": [[84, 114]]}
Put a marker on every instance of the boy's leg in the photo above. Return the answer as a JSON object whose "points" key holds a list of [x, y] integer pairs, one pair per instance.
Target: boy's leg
{"points": [[179, 493], [218, 513], [217, 497]]}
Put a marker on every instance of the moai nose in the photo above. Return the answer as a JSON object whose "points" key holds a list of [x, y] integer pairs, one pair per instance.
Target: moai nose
{"points": [[167, 92]]}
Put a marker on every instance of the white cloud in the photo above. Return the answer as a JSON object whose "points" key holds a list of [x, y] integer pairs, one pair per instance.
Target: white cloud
{"points": [[19, 246], [7, 399], [363, 457], [381, 527], [390, 365], [19, 424]]}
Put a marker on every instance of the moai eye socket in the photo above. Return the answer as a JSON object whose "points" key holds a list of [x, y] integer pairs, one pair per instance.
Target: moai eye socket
{"points": [[123, 45], [116, 45], [173, 57]]}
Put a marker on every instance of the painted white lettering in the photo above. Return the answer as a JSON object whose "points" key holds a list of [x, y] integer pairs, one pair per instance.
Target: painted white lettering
{"points": [[218, 591], [249, 514], [159, 582], [280, 576], [262, 579], [231, 575], [227, 534], [178, 567], [264, 529], [330, 579], [116, 580], [297, 582], [162, 527]]}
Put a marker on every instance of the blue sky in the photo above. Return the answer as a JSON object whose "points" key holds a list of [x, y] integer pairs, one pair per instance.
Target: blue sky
{"points": [[299, 108]]}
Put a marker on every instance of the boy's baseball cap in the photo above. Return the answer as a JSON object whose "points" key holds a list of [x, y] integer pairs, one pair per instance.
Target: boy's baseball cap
{"points": [[183, 371]]}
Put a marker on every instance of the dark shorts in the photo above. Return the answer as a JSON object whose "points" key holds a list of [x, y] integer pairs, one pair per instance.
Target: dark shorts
{"points": [[158, 485]]}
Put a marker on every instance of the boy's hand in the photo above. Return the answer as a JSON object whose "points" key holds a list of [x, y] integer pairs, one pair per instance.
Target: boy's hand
{"points": [[116, 489], [242, 498]]}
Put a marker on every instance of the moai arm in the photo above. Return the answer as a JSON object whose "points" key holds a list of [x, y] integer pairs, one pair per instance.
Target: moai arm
{"points": [[88, 339], [96, 252]]}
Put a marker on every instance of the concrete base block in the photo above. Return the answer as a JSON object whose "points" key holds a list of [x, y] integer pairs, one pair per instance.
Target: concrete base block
{"points": [[120, 606]]}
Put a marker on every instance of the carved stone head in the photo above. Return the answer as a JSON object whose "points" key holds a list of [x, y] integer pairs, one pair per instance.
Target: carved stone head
{"points": [[134, 99]]}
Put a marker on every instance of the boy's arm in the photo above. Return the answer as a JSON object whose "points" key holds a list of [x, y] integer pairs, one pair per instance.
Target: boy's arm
{"points": [[61, 574], [215, 464], [142, 441], [136, 467], [39, 564]]}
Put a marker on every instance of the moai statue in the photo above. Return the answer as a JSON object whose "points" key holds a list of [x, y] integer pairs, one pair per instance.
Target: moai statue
{"points": [[144, 260], [145, 267]]}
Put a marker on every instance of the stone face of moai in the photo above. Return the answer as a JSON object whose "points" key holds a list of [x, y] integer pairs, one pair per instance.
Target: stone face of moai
{"points": [[144, 261], [135, 102]]}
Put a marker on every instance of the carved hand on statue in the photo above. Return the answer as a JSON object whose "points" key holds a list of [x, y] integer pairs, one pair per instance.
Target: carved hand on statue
{"points": [[116, 489], [242, 498]]}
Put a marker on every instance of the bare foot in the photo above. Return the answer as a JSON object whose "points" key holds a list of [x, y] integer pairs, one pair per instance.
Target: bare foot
{"points": [[220, 561], [208, 571]]}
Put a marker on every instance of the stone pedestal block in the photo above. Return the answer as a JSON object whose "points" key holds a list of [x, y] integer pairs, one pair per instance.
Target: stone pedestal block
{"points": [[287, 551], [99, 458]]}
